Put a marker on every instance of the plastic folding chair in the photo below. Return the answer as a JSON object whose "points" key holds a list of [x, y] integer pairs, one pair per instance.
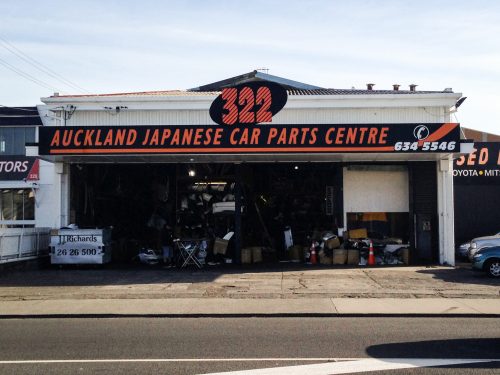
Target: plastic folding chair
{"points": [[188, 251]]}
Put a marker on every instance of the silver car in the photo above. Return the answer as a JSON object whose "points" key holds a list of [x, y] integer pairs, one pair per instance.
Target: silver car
{"points": [[463, 250], [482, 242]]}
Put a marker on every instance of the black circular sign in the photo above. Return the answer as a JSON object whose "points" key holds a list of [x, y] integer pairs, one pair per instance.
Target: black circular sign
{"points": [[248, 103]]}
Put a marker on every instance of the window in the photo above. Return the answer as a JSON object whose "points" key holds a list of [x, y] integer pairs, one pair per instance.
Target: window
{"points": [[13, 139], [17, 204]]}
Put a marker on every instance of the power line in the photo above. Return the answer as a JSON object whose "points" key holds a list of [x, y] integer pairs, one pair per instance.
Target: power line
{"points": [[38, 65], [28, 76]]}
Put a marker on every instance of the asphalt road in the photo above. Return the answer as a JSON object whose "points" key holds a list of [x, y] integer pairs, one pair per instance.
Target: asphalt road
{"points": [[196, 346]]}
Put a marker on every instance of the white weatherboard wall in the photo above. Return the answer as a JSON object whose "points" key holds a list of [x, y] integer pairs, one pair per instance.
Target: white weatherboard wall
{"points": [[46, 209], [376, 191], [132, 116], [193, 109]]}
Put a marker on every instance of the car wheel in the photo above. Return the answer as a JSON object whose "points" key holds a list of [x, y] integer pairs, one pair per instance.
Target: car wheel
{"points": [[493, 267]]}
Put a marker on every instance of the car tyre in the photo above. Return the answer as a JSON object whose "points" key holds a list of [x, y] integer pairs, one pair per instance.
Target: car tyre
{"points": [[493, 267]]}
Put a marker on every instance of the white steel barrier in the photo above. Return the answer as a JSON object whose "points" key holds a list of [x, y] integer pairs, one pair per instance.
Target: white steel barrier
{"points": [[18, 244]]}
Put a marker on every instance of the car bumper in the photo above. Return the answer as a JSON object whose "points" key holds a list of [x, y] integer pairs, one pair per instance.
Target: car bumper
{"points": [[462, 251], [477, 264], [471, 254]]}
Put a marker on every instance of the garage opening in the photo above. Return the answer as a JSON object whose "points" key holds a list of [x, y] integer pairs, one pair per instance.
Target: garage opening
{"points": [[149, 205]]}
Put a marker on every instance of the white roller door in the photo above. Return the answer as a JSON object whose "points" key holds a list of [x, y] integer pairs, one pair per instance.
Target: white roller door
{"points": [[373, 190]]}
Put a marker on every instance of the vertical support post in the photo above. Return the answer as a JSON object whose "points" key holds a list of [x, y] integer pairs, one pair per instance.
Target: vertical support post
{"points": [[412, 217], [20, 243], [446, 211], [37, 242], [62, 181], [237, 215]]}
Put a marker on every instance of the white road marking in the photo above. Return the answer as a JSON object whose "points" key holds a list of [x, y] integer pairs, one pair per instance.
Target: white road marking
{"points": [[360, 365], [179, 360], [332, 366]]}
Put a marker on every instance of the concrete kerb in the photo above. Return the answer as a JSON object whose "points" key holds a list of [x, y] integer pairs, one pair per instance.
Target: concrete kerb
{"points": [[217, 307]]}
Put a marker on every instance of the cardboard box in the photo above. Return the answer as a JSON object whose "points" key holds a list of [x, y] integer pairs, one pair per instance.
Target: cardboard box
{"points": [[406, 256], [295, 253], [324, 259], [339, 256], [256, 254], [332, 243], [358, 233], [246, 255], [353, 257], [220, 246]]}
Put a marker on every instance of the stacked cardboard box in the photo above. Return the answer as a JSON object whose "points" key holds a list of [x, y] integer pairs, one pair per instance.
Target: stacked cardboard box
{"points": [[251, 255], [353, 257], [339, 256], [324, 258], [296, 253]]}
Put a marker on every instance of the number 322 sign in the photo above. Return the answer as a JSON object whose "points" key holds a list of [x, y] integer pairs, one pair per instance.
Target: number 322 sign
{"points": [[248, 103]]}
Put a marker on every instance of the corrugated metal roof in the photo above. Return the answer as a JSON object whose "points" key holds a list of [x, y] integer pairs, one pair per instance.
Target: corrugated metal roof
{"points": [[359, 92], [292, 87], [294, 92], [142, 93]]}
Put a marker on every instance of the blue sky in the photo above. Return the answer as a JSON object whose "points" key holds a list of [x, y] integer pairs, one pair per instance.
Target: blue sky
{"points": [[122, 46]]}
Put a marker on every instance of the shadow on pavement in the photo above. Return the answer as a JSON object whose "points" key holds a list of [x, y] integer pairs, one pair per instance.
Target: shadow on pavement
{"points": [[474, 348], [124, 274], [462, 274]]}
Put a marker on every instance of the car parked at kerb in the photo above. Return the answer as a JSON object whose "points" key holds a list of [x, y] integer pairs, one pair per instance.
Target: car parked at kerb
{"points": [[463, 250], [482, 242], [488, 260]]}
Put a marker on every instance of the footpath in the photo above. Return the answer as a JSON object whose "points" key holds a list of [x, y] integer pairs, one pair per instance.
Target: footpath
{"points": [[285, 290]]}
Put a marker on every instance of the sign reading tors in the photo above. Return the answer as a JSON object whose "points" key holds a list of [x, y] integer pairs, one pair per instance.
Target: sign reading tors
{"points": [[19, 168]]}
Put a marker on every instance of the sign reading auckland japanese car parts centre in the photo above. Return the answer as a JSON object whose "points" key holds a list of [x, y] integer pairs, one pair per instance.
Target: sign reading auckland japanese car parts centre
{"points": [[192, 139], [244, 117]]}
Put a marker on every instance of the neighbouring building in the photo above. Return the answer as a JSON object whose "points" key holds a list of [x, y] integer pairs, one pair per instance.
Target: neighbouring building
{"points": [[477, 188], [26, 183]]}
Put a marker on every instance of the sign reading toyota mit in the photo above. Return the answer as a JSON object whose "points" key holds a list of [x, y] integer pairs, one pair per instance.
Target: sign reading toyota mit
{"points": [[19, 168], [481, 166], [250, 139]]}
